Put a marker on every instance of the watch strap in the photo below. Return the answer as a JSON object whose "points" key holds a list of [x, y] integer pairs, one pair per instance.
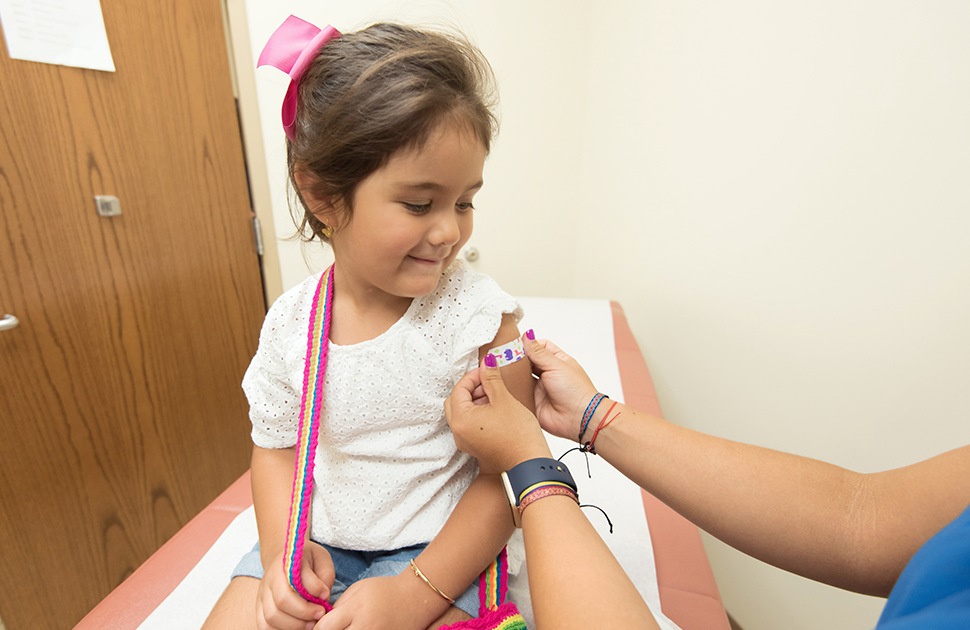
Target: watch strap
{"points": [[536, 471]]}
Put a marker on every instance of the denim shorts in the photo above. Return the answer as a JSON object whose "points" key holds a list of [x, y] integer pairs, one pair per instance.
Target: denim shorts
{"points": [[351, 566]]}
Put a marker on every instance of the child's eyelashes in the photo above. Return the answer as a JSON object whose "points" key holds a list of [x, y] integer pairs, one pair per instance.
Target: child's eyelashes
{"points": [[418, 208], [423, 208]]}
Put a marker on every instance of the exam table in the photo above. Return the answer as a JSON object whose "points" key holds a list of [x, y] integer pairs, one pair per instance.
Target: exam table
{"points": [[597, 334]]}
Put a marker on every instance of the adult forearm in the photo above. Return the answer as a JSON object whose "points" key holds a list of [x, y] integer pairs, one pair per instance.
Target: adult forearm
{"points": [[796, 513], [574, 579]]}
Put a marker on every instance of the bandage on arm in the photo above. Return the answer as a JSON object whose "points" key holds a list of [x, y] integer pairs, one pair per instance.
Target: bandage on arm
{"points": [[509, 353]]}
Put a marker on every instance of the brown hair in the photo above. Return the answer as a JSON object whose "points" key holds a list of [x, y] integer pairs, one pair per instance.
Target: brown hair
{"points": [[374, 92]]}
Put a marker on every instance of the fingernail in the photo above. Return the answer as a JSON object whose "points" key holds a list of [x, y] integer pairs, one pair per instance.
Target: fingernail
{"points": [[490, 361], [531, 334]]}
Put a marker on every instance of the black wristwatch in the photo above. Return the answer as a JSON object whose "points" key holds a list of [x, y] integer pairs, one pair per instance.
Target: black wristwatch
{"points": [[529, 473]]}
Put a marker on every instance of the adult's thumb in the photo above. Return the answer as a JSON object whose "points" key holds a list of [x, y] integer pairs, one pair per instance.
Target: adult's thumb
{"points": [[542, 357], [492, 381]]}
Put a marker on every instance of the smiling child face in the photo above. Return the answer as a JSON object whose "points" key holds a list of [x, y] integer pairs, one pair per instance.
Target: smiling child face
{"points": [[411, 217]]}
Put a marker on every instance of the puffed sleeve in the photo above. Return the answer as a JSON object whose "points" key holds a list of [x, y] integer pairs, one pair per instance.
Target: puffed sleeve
{"points": [[481, 304], [273, 382]]}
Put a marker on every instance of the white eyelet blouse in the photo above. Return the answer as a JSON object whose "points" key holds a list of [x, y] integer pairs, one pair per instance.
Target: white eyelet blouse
{"points": [[387, 473]]}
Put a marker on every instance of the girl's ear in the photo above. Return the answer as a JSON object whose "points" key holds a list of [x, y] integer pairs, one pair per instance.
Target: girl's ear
{"points": [[322, 208]]}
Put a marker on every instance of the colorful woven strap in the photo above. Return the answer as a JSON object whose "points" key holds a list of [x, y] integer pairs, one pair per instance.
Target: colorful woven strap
{"points": [[493, 614], [493, 584], [306, 447]]}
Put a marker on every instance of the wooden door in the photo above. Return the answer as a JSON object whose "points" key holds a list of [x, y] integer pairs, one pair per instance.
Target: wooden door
{"points": [[121, 413]]}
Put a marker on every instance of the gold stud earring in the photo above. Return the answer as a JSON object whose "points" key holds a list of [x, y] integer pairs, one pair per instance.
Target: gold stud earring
{"points": [[327, 231]]}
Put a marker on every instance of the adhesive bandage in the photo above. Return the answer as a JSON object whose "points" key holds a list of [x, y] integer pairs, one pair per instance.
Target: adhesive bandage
{"points": [[509, 353]]}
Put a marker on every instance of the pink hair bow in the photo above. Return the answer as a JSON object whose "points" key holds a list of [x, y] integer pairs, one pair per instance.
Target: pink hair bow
{"points": [[292, 49]]}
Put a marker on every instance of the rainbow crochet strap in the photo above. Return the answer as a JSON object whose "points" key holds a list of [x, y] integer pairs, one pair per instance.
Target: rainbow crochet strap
{"points": [[313, 370], [492, 613], [492, 585]]}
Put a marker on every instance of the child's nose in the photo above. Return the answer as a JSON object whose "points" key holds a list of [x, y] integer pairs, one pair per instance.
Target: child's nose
{"points": [[446, 230]]}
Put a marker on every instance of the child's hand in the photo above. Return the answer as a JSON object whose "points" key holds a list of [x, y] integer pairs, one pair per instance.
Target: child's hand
{"points": [[391, 603], [279, 607]]}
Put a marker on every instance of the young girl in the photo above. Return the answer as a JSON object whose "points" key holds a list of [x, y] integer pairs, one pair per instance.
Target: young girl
{"points": [[388, 129]]}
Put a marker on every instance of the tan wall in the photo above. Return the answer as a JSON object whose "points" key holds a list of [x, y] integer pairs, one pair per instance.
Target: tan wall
{"points": [[776, 194]]}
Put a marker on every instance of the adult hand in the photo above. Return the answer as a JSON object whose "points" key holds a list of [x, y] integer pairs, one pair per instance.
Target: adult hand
{"points": [[490, 424], [279, 607], [563, 390]]}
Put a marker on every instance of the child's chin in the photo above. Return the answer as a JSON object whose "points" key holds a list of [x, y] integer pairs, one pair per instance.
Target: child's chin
{"points": [[418, 280], [415, 287], [422, 289]]}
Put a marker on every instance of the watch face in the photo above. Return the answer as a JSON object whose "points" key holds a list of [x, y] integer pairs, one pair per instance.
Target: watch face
{"points": [[513, 501]]}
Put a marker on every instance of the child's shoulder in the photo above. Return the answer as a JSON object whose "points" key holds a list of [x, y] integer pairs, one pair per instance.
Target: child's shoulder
{"points": [[460, 285], [297, 296], [463, 292], [463, 313], [293, 307]]}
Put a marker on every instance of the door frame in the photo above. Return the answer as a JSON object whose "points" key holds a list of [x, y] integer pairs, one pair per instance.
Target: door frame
{"points": [[254, 150]]}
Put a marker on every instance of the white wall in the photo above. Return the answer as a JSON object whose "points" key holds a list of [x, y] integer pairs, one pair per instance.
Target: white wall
{"points": [[787, 223], [775, 192]]}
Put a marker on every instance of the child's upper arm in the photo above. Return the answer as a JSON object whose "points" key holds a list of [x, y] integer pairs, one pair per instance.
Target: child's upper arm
{"points": [[518, 375]]}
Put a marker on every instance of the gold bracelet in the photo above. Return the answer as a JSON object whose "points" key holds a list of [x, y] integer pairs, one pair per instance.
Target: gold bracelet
{"points": [[434, 588]]}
